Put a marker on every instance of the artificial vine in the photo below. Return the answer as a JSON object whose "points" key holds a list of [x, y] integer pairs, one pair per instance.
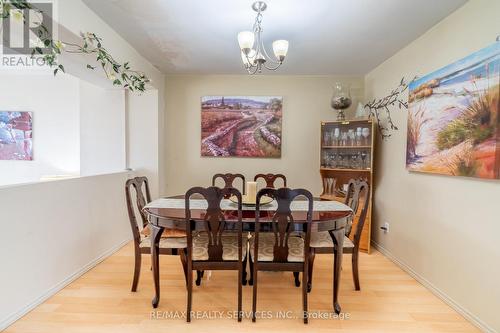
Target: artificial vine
{"points": [[120, 74], [378, 106]]}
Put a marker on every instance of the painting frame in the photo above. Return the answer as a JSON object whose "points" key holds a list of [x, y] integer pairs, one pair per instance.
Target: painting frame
{"points": [[16, 135], [453, 118], [241, 126]]}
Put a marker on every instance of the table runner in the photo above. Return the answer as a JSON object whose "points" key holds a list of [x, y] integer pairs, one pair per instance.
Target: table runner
{"points": [[226, 204]]}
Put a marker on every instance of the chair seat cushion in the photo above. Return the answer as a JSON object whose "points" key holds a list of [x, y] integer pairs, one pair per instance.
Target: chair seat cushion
{"points": [[323, 239], [229, 247], [166, 243], [266, 248]]}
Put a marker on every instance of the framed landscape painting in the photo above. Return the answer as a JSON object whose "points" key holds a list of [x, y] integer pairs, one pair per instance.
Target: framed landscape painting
{"points": [[453, 120], [16, 130], [241, 126]]}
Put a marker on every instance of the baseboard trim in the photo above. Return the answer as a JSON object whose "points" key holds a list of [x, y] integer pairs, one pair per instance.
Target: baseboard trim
{"points": [[12, 318], [436, 291]]}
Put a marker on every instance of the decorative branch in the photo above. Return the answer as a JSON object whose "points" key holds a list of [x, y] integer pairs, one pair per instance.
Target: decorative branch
{"points": [[384, 104], [49, 49]]}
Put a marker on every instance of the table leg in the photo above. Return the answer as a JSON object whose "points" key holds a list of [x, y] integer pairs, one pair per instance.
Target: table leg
{"points": [[155, 261], [338, 240]]}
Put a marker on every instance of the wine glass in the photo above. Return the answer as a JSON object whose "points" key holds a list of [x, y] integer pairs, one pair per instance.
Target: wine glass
{"points": [[347, 161], [351, 136], [336, 134], [366, 133], [352, 161], [359, 132], [327, 159], [340, 163], [344, 138], [364, 154]]}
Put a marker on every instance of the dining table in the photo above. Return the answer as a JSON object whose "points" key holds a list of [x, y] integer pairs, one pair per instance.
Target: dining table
{"points": [[169, 213]]}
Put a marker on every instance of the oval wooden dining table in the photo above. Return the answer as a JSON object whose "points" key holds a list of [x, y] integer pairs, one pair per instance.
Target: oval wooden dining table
{"points": [[170, 213]]}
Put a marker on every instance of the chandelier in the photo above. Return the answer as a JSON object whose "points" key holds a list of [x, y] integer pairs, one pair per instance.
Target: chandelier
{"points": [[255, 58]]}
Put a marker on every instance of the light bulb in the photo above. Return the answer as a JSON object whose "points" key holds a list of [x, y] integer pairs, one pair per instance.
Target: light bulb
{"points": [[280, 48], [246, 40]]}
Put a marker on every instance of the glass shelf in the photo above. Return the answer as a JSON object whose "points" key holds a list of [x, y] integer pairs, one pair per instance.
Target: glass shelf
{"points": [[345, 169], [347, 134]]}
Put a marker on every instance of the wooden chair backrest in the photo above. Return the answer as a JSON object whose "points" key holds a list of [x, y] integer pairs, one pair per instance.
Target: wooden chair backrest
{"points": [[270, 179], [229, 179], [142, 198], [358, 193], [282, 225], [214, 221]]}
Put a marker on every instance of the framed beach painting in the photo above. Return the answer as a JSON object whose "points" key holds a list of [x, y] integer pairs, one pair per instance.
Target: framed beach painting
{"points": [[241, 126], [16, 131], [453, 120]]}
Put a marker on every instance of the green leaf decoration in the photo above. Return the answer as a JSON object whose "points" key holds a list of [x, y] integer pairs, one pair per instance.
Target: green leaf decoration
{"points": [[128, 78]]}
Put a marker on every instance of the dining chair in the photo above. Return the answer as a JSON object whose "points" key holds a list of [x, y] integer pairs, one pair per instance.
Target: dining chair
{"points": [[278, 250], [142, 242], [270, 179], [219, 245], [321, 242], [229, 179]]}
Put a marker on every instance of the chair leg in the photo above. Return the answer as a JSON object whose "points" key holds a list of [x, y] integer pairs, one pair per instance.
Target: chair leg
{"points": [[355, 270], [182, 254], [240, 287], [199, 276], [312, 256], [137, 270], [254, 300], [297, 280], [250, 263], [338, 239], [304, 294], [189, 294], [244, 271]]}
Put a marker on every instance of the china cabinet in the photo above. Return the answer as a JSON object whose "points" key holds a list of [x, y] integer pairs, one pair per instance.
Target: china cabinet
{"points": [[347, 151]]}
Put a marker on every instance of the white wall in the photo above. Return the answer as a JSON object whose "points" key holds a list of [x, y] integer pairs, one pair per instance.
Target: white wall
{"points": [[143, 136], [79, 128], [53, 232], [102, 128], [55, 106], [445, 229], [306, 102], [76, 17]]}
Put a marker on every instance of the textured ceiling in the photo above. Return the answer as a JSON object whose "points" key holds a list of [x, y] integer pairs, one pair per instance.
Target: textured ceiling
{"points": [[343, 37]]}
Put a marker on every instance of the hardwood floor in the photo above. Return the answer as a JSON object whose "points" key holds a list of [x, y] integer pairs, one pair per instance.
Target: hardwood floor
{"points": [[101, 301]]}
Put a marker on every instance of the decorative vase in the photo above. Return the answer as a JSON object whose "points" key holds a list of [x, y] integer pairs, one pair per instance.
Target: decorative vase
{"points": [[341, 99]]}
